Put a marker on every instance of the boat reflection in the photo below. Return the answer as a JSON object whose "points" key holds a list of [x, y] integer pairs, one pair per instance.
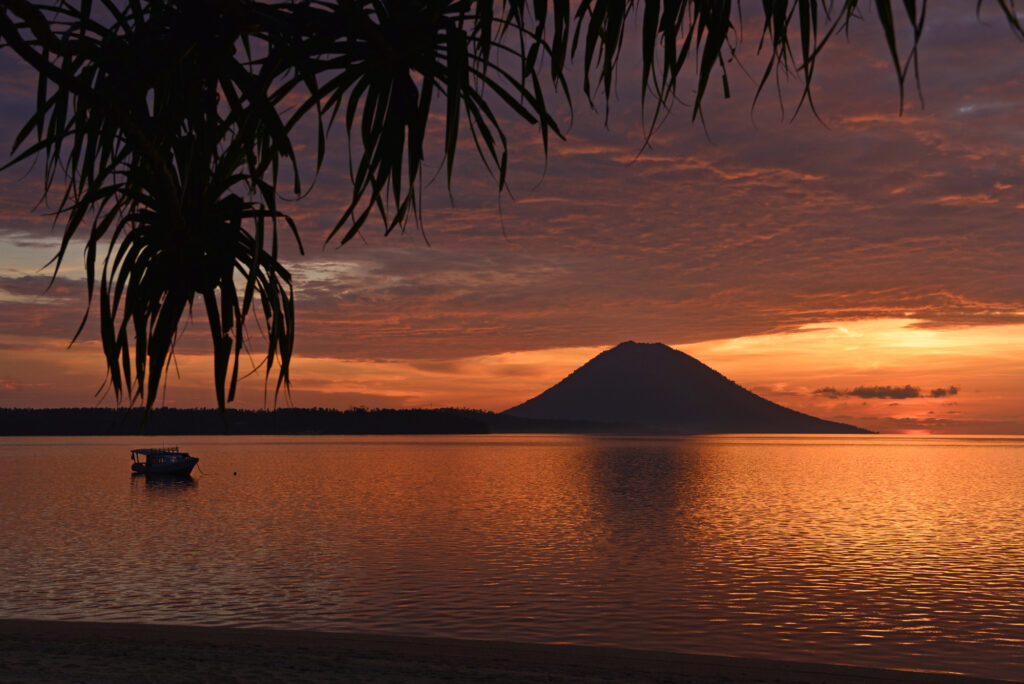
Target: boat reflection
{"points": [[164, 483]]}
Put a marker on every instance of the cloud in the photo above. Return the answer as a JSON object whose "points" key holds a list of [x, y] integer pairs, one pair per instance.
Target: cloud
{"points": [[875, 392], [887, 392]]}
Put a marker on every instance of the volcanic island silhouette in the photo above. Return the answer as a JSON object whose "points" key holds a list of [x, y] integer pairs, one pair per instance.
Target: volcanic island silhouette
{"points": [[653, 387]]}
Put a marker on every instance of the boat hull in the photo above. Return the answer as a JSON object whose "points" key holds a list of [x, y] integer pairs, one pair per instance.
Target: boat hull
{"points": [[181, 467]]}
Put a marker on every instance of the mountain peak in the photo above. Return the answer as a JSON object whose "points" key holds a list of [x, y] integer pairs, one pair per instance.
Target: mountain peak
{"points": [[651, 386], [630, 345]]}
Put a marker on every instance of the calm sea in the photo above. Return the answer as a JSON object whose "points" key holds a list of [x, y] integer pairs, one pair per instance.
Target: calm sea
{"points": [[903, 552]]}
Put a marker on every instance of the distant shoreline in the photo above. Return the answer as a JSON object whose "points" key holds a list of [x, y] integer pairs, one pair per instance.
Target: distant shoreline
{"points": [[36, 650], [83, 422]]}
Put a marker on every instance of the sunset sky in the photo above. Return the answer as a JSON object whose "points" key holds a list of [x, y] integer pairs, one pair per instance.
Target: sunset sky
{"points": [[866, 267]]}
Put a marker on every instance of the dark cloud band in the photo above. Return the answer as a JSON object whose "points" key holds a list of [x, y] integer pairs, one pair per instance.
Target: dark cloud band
{"points": [[887, 392]]}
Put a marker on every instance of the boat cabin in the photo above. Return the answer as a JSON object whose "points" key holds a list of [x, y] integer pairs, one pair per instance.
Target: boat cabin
{"points": [[162, 461]]}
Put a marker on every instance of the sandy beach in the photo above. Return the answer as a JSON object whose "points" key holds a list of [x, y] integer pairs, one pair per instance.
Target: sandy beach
{"points": [[41, 651]]}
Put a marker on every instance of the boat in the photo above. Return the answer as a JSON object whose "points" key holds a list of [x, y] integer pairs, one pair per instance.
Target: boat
{"points": [[162, 461]]}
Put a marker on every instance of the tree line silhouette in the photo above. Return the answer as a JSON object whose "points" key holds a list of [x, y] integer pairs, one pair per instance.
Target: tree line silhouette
{"points": [[282, 421], [198, 421]]}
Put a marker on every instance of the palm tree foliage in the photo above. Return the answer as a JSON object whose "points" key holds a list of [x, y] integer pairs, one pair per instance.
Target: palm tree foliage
{"points": [[176, 188], [165, 126]]}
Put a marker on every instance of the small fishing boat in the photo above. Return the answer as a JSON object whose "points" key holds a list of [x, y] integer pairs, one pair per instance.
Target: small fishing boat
{"points": [[162, 461]]}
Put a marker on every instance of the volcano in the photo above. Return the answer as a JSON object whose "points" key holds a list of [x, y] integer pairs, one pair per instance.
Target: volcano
{"points": [[652, 387]]}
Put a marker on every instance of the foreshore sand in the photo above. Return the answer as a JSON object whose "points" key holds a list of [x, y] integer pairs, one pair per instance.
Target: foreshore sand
{"points": [[44, 651]]}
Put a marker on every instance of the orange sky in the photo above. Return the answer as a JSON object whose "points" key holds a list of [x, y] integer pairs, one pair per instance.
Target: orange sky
{"points": [[866, 250], [983, 363]]}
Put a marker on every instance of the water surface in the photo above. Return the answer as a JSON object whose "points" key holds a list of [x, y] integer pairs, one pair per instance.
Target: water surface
{"points": [[869, 550]]}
